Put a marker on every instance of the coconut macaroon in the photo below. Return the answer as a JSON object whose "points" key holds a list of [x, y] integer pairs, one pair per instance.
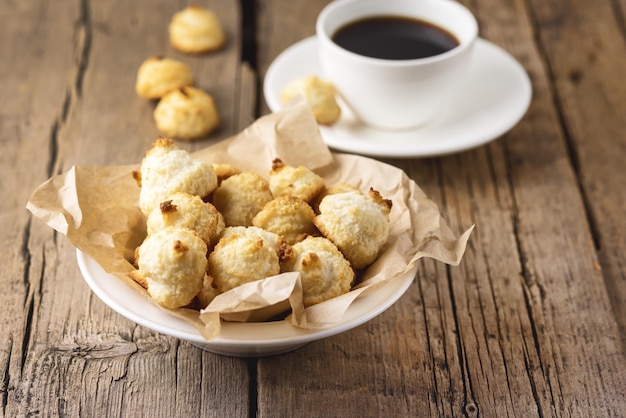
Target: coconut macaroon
{"points": [[300, 182], [325, 273], [241, 258], [357, 224], [186, 113], [158, 76], [173, 263], [277, 242], [240, 197], [319, 95], [332, 189], [187, 211], [167, 169], [196, 30], [287, 216]]}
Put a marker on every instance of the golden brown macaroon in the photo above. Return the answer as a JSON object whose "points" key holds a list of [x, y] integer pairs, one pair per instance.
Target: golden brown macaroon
{"points": [[287, 216], [173, 263], [187, 211], [186, 113], [357, 224], [300, 182], [158, 76], [196, 30], [167, 169], [240, 197], [239, 259], [325, 273], [277, 242], [319, 95]]}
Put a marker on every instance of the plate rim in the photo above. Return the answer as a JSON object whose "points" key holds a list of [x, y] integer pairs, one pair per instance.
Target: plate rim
{"points": [[87, 264]]}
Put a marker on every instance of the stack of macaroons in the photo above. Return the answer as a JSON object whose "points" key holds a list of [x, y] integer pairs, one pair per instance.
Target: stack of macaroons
{"points": [[214, 227], [183, 111]]}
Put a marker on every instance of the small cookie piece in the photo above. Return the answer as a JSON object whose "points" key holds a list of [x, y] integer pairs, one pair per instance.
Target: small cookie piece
{"points": [[196, 30], [300, 182], [240, 197], [158, 76], [319, 94], [173, 263], [287, 216], [239, 259], [325, 273], [357, 224], [167, 169], [186, 211], [137, 277], [186, 113], [208, 292], [224, 171]]}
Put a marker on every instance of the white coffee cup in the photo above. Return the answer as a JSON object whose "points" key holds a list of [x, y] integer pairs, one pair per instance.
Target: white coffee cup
{"points": [[396, 94]]}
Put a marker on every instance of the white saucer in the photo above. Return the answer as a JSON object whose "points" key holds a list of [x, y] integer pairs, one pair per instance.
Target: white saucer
{"points": [[493, 101]]}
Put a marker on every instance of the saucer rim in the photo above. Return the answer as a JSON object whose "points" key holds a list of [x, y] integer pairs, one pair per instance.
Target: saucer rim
{"points": [[422, 149]]}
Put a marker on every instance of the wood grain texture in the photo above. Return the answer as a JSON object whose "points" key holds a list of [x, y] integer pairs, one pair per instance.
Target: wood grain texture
{"points": [[524, 326], [591, 98], [70, 82], [27, 130]]}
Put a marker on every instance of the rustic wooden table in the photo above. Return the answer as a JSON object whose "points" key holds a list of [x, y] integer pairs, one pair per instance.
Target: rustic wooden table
{"points": [[533, 322]]}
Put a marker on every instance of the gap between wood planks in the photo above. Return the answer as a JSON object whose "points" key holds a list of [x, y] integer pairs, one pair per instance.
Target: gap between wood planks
{"points": [[84, 33], [249, 55], [249, 42]]}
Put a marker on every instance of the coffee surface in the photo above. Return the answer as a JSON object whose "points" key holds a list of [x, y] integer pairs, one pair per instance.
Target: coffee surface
{"points": [[394, 38]]}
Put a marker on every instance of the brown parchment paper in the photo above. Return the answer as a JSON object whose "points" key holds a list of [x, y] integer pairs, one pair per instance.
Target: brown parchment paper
{"points": [[97, 209]]}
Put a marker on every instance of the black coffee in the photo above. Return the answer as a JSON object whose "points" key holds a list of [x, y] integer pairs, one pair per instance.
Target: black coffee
{"points": [[394, 38]]}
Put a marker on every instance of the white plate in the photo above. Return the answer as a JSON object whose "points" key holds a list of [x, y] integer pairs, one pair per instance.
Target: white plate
{"points": [[495, 98], [237, 339]]}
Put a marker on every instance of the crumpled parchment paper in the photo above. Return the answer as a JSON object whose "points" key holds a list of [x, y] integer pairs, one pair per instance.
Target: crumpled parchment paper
{"points": [[97, 209]]}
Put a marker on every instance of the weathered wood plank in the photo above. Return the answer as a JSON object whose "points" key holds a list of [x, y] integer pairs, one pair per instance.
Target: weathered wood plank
{"points": [[501, 334], [567, 292], [27, 136], [567, 302], [591, 94], [64, 353]]}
